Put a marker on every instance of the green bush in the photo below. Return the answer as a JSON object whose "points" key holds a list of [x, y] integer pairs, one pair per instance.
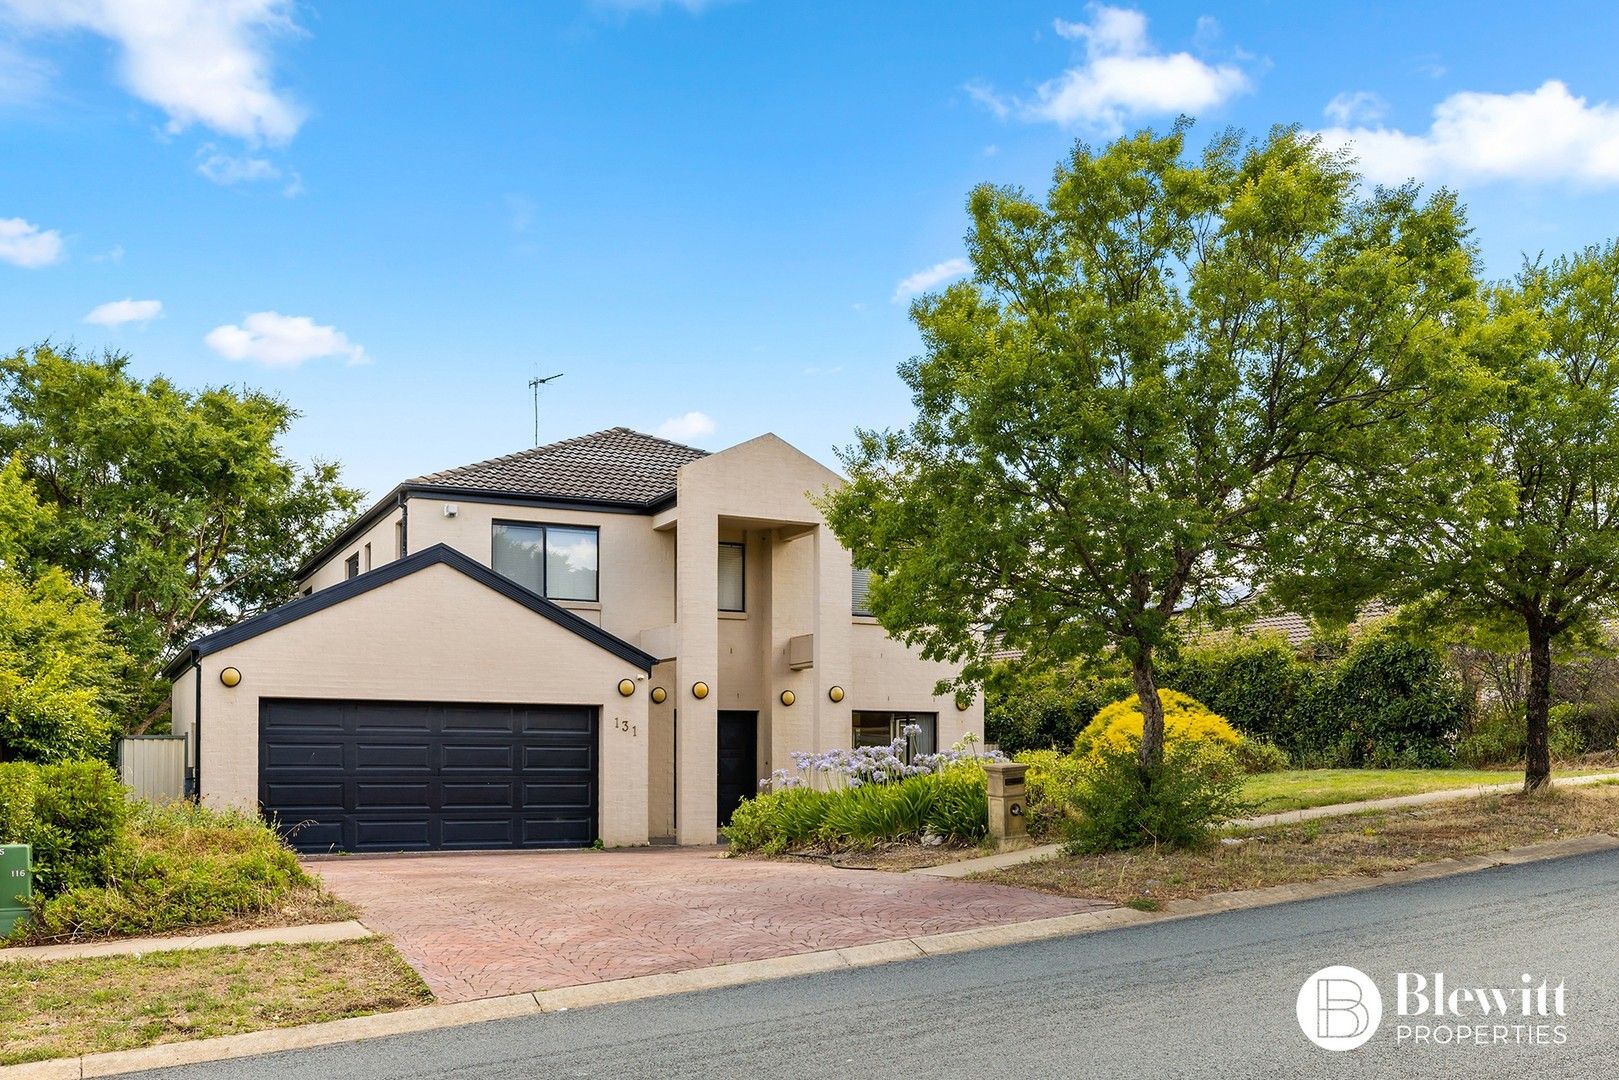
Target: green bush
{"points": [[183, 866], [1254, 682], [1120, 805], [1044, 707], [1259, 756], [73, 816], [951, 804], [1048, 786]]}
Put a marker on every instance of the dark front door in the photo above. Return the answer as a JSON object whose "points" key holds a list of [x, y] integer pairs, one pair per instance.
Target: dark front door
{"points": [[402, 776], [738, 753]]}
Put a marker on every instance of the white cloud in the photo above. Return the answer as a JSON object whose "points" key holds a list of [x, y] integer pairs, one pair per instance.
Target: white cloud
{"points": [[270, 337], [1122, 75], [632, 7], [1532, 136], [24, 244], [224, 168], [686, 427], [119, 312], [1359, 107], [202, 62], [923, 280]]}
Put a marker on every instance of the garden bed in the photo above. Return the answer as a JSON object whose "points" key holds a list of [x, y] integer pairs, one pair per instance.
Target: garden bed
{"points": [[1369, 843], [68, 1007]]}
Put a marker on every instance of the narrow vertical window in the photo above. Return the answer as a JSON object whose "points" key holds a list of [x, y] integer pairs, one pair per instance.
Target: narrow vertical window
{"points": [[351, 566], [733, 577], [860, 589]]}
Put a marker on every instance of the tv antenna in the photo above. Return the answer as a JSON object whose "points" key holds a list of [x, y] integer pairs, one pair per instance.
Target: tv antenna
{"points": [[534, 384]]}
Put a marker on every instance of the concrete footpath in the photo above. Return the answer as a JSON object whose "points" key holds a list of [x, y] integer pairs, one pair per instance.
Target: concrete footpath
{"points": [[1003, 859], [272, 935]]}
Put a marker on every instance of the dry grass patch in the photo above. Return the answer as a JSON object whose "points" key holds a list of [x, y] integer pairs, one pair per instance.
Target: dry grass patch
{"points": [[897, 856], [1361, 844], [67, 1007]]}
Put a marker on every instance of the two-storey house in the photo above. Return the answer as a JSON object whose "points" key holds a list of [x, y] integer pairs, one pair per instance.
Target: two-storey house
{"points": [[611, 637]]}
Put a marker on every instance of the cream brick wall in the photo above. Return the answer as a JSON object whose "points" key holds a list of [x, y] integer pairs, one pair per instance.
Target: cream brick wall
{"points": [[384, 543], [435, 635]]}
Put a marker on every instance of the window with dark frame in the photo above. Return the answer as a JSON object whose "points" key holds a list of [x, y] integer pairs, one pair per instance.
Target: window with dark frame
{"points": [[351, 566], [368, 556], [733, 576], [560, 562], [871, 728]]}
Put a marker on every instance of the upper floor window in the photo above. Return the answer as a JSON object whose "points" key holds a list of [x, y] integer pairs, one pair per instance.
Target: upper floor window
{"points": [[733, 577], [557, 561], [860, 580], [351, 566]]}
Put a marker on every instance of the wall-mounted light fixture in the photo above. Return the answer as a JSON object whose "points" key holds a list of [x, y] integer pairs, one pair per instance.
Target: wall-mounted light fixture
{"points": [[659, 695], [699, 690], [836, 693], [788, 697], [230, 676], [626, 687]]}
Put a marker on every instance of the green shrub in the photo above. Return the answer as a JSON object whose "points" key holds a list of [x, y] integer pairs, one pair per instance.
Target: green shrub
{"points": [[1049, 785], [184, 866], [1254, 682], [1045, 706], [1259, 756], [1493, 737], [951, 804], [1120, 805], [73, 816]]}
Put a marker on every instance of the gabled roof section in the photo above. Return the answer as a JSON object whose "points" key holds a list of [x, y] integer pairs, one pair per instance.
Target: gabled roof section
{"points": [[613, 466], [437, 555]]}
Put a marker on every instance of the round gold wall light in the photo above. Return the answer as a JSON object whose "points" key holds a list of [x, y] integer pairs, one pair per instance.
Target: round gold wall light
{"points": [[836, 693], [626, 687], [230, 676], [699, 690], [659, 695], [788, 697]]}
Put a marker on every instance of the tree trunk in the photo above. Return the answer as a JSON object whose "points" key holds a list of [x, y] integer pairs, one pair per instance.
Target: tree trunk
{"points": [[1537, 759], [1152, 710]]}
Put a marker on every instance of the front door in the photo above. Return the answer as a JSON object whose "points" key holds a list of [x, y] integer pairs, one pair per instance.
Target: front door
{"points": [[738, 752]]}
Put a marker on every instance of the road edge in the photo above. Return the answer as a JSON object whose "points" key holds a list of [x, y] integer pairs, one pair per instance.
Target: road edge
{"points": [[458, 1014]]}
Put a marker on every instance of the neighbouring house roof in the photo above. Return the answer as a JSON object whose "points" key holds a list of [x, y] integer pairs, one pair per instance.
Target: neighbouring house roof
{"points": [[618, 470], [617, 466], [437, 555]]}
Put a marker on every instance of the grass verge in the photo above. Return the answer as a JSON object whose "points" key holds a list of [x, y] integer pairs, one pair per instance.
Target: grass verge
{"points": [[1374, 842], [69, 1007], [1300, 789]]}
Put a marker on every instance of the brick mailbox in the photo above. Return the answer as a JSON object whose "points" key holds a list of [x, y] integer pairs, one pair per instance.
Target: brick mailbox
{"points": [[1007, 802], [16, 884]]}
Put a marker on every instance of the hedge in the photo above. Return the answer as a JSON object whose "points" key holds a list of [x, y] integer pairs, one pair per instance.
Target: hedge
{"points": [[72, 814]]}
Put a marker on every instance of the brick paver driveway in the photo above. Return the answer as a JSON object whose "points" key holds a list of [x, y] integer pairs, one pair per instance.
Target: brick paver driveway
{"points": [[480, 925]]}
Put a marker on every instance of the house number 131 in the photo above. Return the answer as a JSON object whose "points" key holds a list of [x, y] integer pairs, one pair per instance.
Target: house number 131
{"points": [[624, 725]]}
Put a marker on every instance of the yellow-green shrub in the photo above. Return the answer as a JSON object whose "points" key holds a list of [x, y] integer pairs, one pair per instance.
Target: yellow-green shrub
{"points": [[1118, 726]]}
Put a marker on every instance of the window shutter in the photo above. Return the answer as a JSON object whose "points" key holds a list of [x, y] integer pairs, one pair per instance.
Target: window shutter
{"points": [[860, 580]]}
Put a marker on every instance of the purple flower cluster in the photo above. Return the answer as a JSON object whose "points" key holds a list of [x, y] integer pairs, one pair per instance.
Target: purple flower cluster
{"points": [[884, 764]]}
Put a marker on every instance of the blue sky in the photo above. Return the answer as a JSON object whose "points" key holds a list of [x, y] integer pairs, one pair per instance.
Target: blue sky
{"points": [[708, 214]]}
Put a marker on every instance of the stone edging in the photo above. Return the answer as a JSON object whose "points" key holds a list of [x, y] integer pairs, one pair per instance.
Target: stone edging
{"points": [[434, 1017]]}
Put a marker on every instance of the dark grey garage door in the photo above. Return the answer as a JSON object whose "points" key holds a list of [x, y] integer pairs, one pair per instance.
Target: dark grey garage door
{"points": [[400, 776]]}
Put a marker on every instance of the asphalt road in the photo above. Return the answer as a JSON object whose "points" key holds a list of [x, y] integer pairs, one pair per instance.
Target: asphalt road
{"points": [[1206, 997]]}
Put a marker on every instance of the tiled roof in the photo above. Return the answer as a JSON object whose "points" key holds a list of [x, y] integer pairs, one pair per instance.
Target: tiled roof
{"points": [[617, 465]]}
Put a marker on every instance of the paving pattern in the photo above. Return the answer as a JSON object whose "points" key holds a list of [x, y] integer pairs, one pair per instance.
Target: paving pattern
{"points": [[485, 924]]}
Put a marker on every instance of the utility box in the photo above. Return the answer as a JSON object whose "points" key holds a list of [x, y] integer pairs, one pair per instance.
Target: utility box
{"points": [[16, 884], [1007, 802]]}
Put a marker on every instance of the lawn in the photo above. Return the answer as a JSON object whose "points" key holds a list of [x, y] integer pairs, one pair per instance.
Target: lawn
{"points": [[1373, 842], [67, 1007], [1299, 789]]}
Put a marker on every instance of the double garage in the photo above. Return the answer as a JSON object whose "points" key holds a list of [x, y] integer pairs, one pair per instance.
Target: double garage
{"points": [[428, 704], [413, 776]]}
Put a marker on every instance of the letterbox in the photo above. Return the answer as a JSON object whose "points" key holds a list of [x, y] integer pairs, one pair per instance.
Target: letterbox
{"points": [[1006, 801], [16, 884]]}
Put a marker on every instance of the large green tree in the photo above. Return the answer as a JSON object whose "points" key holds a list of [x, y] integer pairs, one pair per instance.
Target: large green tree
{"points": [[176, 508], [1538, 555], [1152, 380]]}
